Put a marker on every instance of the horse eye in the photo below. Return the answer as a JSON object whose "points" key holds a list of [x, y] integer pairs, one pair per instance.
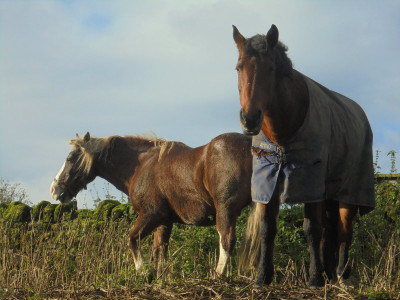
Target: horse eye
{"points": [[237, 69]]}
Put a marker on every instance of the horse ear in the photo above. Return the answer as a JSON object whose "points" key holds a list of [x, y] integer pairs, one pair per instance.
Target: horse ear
{"points": [[86, 138], [272, 36], [240, 40]]}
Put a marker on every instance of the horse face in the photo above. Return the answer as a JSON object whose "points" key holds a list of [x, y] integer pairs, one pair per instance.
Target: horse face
{"points": [[71, 178], [256, 77]]}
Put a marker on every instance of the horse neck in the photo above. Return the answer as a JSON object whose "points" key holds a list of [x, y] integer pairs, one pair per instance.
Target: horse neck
{"points": [[118, 164], [286, 109]]}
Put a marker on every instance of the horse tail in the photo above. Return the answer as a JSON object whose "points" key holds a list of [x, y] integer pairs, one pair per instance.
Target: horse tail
{"points": [[250, 249]]}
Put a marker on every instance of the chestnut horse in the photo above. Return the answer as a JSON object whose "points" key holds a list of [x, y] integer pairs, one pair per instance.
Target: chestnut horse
{"points": [[167, 182], [310, 145]]}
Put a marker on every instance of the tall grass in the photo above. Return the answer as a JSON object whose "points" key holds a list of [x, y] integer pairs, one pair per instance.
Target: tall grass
{"points": [[39, 258]]}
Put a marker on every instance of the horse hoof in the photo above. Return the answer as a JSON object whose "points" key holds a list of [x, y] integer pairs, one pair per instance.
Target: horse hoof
{"points": [[346, 273], [258, 286], [261, 281], [316, 281], [219, 276]]}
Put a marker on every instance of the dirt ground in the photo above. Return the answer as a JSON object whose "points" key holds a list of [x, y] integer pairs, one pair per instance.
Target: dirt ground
{"points": [[197, 290]]}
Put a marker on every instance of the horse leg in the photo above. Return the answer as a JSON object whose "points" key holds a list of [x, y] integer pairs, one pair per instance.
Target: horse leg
{"points": [[268, 229], [313, 231], [143, 226], [329, 239], [345, 235], [160, 246], [227, 239]]}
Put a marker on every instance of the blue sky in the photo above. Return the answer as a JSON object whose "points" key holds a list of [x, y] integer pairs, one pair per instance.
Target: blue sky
{"points": [[134, 67]]}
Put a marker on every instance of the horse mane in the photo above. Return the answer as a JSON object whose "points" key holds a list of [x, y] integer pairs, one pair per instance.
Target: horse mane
{"points": [[100, 146], [165, 146], [88, 150], [257, 46]]}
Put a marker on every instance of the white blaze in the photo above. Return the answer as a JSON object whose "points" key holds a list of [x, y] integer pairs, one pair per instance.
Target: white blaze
{"points": [[54, 188]]}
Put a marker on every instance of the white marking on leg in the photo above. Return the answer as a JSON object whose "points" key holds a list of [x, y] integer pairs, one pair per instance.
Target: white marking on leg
{"points": [[223, 258], [136, 254], [138, 260]]}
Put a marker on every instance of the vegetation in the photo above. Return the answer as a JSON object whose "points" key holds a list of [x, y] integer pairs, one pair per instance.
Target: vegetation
{"points": [[10, 192], [58, 251]]}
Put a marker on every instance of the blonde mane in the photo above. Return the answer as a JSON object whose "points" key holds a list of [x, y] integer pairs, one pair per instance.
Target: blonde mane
{"points": [[88, 150], [165, 146], [98, 145]]}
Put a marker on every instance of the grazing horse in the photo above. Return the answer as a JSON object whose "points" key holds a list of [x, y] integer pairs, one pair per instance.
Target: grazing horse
{"points": [[310, 145], [167, 182]]}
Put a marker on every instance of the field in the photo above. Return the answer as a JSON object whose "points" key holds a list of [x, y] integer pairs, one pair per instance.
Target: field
{"points": [[53, 252]]}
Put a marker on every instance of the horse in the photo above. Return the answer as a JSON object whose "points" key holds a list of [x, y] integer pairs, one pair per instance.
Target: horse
{"points": [[167, 182], [310, 145]]}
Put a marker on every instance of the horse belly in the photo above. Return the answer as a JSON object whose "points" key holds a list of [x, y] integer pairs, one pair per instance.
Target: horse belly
{"points": [[193, 209]]}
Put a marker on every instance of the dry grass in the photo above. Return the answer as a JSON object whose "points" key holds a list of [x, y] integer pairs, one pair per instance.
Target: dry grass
{"points": [[84, 259]]}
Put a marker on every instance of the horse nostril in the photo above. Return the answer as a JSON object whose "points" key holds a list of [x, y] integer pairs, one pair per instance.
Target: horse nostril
{"points": [[259, 114], [251, 123], [250, 120]]}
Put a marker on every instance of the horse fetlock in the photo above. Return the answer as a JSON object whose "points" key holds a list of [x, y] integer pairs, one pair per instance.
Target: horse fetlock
{"points": [[137, 256], [138, 260], [266, 274], [223, 258]]}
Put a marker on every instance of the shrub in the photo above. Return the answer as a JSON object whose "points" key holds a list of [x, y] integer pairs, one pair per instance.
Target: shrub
{"points": [[3, 208], [18, 212], [37, 210], [66, 211], [123, 211], [103, 211]]}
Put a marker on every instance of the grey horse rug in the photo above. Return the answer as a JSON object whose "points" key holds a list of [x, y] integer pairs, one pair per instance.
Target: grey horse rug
{"points": [[329, 158]]}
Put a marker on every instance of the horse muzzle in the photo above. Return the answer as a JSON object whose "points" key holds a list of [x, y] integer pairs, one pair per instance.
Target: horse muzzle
{"points": [[251, 124], [57, 193]]}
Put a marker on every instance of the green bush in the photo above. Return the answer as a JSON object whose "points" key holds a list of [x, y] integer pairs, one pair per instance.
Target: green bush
{"points": [[18, 212], [66, 211], [3, 208], [84, 213], [103, 211], [48, 213], [37, 210], [123, 211]]}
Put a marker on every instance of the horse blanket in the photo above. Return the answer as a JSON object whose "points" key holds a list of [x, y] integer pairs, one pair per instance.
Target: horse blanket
{"points": [[329, 158]]}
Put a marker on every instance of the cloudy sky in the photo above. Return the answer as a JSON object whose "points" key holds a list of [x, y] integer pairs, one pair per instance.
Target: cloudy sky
{"points": [[134, 67]]}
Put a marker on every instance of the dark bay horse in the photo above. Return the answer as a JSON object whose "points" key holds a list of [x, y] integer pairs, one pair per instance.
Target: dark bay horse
{"points": [[310, 145], [166, 182]]}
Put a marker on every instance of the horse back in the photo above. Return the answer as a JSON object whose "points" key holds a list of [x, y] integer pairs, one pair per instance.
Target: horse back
{"points": [[191, 185]]}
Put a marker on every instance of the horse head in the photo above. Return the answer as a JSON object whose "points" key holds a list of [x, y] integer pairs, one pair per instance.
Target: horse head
{"points": [[76, 172], [260, 64]]}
